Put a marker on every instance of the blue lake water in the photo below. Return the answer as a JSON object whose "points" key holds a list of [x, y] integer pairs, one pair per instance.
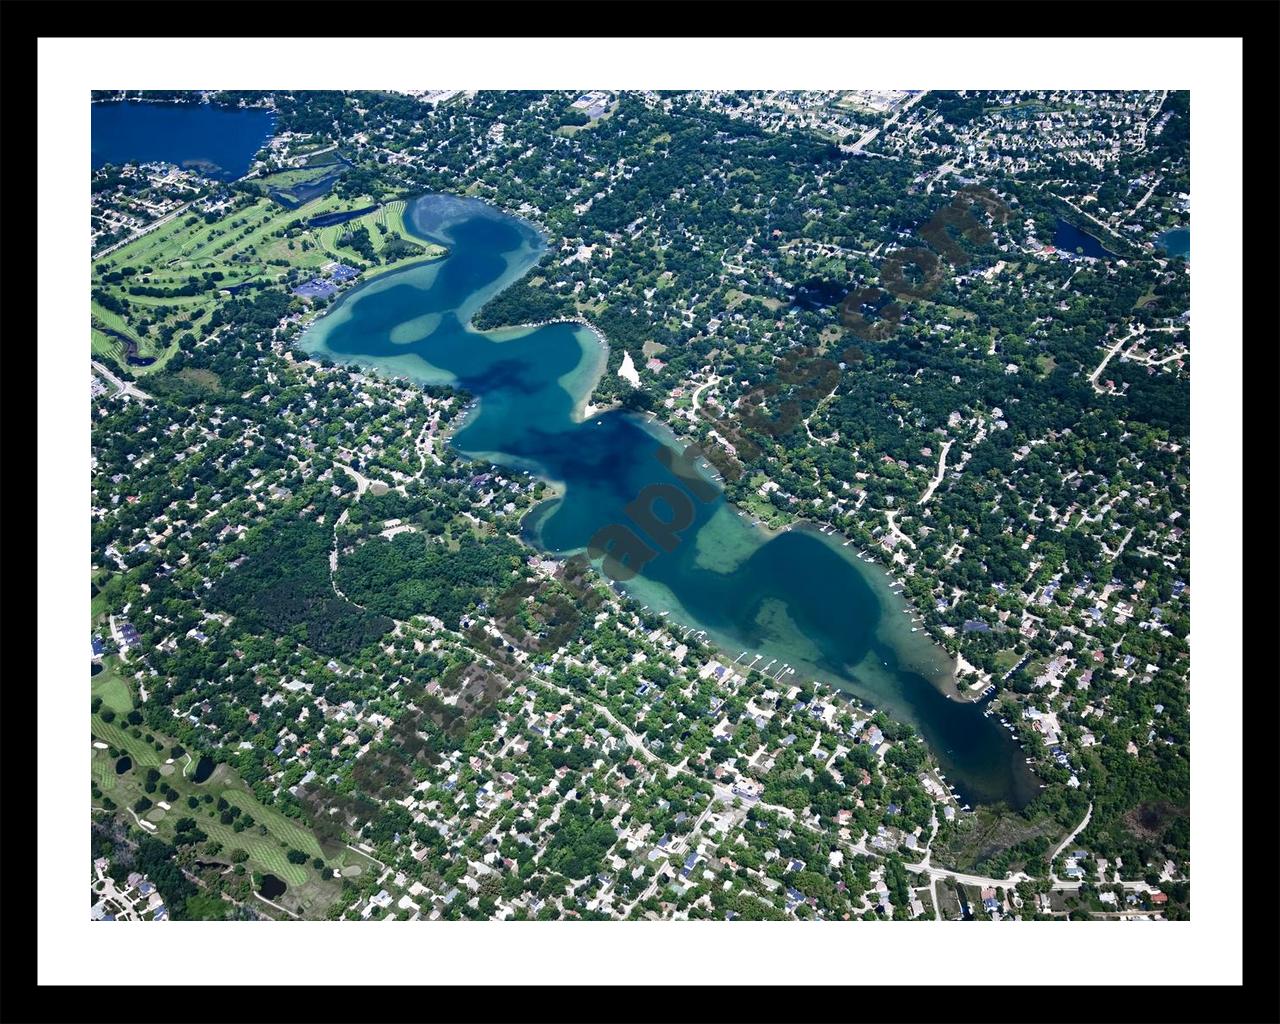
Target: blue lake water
{"points": [[1069, 237], [798, 598], [215, 141], [1176, 242]]}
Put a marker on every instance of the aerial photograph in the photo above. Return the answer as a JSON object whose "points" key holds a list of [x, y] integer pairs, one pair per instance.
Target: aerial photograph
{"points": [[611, 505]]}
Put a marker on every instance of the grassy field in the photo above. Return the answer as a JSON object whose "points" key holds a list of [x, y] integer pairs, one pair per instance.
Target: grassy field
{"points": [[284, 180], [1005, 660], [121, 737], [103, 345], [254, 243], [108, 583], [286, 829], [251, 244], [267, 841], [383, 225], [113, 687], [103, 769]]}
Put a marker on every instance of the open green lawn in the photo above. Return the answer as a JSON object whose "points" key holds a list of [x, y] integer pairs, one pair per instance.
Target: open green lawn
{"points": [[103, 345], [294, 176], [108, 583], [120, 736], [353, 862], [112, 687], [286, 829], [206, 907], [1005, 660], [265, 852], [103, 768]]}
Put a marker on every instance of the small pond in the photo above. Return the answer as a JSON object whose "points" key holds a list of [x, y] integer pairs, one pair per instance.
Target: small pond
{"points": [[204, 768], [1071, 239], [272, 887]]}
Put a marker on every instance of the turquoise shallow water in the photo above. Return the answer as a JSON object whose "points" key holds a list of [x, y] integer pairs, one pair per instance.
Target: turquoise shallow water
{"points": [[797, 598]]}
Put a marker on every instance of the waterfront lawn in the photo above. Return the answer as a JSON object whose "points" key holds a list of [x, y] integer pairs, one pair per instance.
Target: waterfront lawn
{"points": [[387, 235], [285, 180], [1005, 660]]}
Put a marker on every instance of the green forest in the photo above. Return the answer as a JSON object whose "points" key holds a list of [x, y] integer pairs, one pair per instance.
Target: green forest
{"points": [[410, 575], [284, 588]]}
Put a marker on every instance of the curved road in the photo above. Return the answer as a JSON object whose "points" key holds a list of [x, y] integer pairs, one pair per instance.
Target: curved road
{"points": [[942, 472]]}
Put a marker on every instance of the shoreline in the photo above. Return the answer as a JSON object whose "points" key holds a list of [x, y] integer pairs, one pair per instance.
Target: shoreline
{"points": [[961, 668], [942, 675]]}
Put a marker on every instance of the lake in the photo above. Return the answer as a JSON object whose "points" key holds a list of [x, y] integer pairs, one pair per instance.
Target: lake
{"points": [[798, 598], [1176, 242], [1069, 237], [214, 141]]}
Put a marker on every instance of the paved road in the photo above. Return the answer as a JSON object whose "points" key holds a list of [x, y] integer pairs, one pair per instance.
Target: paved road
{"points": [[142, 231], [1088, 814], [1084, 213], [923, 867], [1093, 377], [697, 392], [870, 136], [362, 481], [942, 472], [123, 387], [425, 444]]}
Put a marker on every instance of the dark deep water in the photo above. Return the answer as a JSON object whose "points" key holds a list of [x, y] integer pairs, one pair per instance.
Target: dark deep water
{"points": [[797, 598], [215, 141], [204, 768], [272, 887], [1069, 237], [1176, 242]]}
